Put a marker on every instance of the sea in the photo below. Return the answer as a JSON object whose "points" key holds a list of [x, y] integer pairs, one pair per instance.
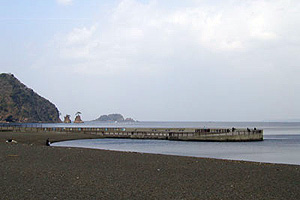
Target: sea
{"points": [[281, 142]]}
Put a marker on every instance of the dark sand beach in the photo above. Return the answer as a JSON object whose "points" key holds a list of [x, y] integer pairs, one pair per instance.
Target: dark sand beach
{"points": [[32, 170]]}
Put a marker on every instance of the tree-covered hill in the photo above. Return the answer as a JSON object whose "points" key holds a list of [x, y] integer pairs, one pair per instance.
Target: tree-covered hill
{"points": [[19, 103], [114, 118]]}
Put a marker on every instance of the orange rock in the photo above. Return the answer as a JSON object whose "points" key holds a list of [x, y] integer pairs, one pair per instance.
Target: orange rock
{"points": [[78, 119]]}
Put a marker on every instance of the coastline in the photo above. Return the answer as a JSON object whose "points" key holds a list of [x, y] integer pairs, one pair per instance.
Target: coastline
{"points": [[30, 169]]}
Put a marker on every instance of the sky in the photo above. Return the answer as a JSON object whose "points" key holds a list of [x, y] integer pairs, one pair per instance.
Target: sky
{"points": [[171, 60]]}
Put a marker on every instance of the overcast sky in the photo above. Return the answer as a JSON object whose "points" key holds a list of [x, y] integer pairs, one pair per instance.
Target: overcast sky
{"points": [[169, 60]]}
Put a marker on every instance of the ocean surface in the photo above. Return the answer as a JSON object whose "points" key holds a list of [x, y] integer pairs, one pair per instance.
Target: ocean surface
{"points": [[281, 141]]}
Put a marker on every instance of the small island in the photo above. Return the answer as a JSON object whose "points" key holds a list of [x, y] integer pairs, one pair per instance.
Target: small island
{"points": [[114, 118]]}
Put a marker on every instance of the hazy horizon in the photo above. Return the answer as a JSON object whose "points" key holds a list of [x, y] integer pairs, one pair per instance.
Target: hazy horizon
{"points": [[194, 60]]}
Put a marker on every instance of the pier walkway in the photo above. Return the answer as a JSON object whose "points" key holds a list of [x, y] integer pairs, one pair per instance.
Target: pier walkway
{"points": [[187, 134]]}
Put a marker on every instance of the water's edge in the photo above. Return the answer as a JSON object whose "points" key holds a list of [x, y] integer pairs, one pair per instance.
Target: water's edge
{"points": [[279, 149]]}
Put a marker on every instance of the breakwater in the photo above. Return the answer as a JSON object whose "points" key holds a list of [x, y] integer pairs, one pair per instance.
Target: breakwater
{"points": [[186, 134]]}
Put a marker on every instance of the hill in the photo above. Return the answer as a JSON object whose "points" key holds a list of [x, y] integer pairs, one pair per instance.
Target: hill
{"points": [[19, 103], [114, 118]]}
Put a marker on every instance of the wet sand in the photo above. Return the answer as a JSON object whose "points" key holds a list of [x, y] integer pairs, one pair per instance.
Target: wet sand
{"points": [[32, 170]]}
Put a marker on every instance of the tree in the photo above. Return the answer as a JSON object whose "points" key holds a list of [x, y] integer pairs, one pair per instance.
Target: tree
{"points": [[10, 119], [78, 113]]}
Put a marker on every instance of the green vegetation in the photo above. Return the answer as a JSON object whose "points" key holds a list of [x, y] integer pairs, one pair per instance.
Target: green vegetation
{"points": [[114, 118], [21, 104]]}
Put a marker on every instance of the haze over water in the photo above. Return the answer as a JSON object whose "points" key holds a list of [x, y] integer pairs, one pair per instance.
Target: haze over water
{"points": [[281, 142]]}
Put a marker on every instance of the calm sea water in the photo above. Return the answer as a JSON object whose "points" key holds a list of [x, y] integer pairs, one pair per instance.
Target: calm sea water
{"points": [[281, 142]]}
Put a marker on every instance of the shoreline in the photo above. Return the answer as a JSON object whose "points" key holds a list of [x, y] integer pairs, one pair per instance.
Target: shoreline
{"points": [[30, 169], [201, 157]]}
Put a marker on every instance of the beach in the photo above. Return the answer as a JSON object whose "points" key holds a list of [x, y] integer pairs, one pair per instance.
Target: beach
{"points": [[32, 170]]}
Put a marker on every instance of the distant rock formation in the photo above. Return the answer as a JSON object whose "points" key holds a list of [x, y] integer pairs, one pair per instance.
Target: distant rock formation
{"points": [[67, 119], [114, 118], [19, 103], [129, 119], [78, 119]]}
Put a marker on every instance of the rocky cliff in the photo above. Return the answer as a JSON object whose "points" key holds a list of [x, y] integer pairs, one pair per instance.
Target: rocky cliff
{"points": [[19, 103]]}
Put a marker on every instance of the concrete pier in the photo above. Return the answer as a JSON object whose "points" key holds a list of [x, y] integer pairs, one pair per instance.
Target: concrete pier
{"points": [[186, 134]]}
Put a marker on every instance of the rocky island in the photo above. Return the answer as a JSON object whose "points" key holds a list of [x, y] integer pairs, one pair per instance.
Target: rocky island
{"points": [[18, 103], [114, 118], [78, 119], [67, 119]]}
